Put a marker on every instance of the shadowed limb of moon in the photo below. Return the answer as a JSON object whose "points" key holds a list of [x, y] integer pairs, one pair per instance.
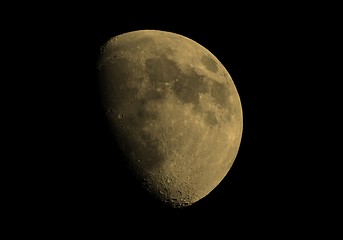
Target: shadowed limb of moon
{"points": [[174, 111]]}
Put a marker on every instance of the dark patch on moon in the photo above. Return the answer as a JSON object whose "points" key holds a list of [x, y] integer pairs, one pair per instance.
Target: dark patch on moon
{"points": [[188, 87], [151, 157], [209, 63], [118, 73], [146, 146], [144, 114], [131, 128], [156, 94], [220, 93], [140, 43], [140, 116], [144, 42], [211, 119], [161, 70], [169, 51]]}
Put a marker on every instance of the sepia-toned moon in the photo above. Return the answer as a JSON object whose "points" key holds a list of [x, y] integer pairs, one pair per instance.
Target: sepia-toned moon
{"points": [[173, 109]]}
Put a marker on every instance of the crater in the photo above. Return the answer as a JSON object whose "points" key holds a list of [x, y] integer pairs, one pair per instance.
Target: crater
{"points": [[209, 63]]}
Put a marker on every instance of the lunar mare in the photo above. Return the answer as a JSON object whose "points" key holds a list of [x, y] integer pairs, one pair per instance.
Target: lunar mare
{"points": [[174, 111]]}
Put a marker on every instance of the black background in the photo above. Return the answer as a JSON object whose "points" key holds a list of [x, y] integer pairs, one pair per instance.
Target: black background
{"points": [[76, 177], [256, 48], [234, 43]]}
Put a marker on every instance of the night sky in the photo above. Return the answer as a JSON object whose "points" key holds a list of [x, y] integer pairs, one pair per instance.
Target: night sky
{"points": [[79, 177], [250, 50]]}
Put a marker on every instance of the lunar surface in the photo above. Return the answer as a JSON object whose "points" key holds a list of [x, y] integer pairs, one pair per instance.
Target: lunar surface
{"points": [[174, 111]]}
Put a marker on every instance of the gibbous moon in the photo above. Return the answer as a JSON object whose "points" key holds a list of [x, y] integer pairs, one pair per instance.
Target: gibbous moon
{"points": [[174, 111]]}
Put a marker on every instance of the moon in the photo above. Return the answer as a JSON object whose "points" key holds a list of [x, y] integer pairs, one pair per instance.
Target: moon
{"points": [[173, 110]]}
